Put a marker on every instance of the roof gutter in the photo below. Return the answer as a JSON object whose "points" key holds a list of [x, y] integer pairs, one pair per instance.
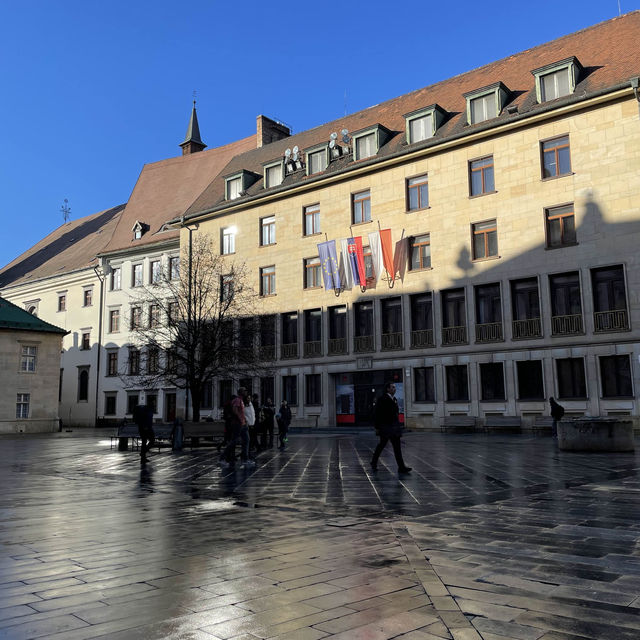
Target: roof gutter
{"points": [[432, 147]]}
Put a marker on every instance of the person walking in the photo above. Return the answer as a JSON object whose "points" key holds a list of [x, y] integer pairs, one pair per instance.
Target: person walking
{"points": [[284, 420], [267, 429], [557, 412], [388, 427], [143, 417], [254, 428], [250, 418], [239, 432]]}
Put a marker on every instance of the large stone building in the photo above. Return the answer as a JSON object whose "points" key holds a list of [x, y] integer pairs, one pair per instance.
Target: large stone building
{"points": [[512, 191], [29, 365]]}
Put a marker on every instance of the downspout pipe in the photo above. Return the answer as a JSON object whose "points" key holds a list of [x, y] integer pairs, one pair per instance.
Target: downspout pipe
{"points": [[100, 277]]}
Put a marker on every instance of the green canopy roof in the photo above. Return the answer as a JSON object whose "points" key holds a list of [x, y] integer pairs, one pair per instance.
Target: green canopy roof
{"points": [[12, 317]]}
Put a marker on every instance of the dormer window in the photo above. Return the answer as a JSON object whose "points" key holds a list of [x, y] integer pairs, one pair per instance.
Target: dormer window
{"points": [[556, 80], [233, 187], [138, 230], [486, 103], [236, 184], [423, 124], [317, 159], [367, 143], [273, 174]]}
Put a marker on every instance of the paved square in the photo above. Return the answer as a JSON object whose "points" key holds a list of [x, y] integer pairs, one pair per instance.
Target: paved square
{"points": [[490, 537]]}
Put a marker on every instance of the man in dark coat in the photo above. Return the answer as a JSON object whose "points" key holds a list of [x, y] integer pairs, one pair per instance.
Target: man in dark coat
{"points": [[388, 427], [284, 420], [557, 411], [143, 417]]}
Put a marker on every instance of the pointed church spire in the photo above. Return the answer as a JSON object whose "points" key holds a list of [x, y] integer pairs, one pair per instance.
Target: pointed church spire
{"points": [[192, 142]]}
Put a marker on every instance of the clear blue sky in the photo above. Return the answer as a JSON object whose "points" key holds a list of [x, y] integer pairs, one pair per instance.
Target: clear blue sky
{"points": [[93, 90]]}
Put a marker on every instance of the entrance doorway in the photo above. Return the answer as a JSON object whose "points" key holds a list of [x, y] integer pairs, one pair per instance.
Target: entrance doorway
{"points": [[356, 395], [169, 406]]}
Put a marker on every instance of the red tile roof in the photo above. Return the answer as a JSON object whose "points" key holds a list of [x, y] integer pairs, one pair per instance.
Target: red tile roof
{"points": [[608, 53], [165, 189]]}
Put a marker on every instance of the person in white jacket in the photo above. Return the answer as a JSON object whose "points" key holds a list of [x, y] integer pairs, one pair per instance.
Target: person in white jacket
{"points": [[250, 417]]}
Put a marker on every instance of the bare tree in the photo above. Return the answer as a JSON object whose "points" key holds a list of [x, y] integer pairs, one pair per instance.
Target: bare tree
{"points": [[187, 341]]}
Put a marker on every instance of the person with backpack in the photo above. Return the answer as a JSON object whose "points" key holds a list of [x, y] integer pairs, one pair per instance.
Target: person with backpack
{"points": [[557, 412], [284, 420], [239, 432]]}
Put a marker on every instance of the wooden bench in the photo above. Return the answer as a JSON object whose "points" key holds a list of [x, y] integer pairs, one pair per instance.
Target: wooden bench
{"points": [[197, 431], [503, 424], [543, 426], [126, 432], [458, 424]]}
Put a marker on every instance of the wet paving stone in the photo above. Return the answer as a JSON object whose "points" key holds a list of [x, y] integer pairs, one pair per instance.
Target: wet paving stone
{"points": [[490, 537]]}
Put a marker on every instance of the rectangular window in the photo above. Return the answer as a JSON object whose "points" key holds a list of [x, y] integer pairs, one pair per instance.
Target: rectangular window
{"points": [[112, 363], [268, 231], [153, 360], [492, 381], [313, 325], [566, 306], [110, 399], [420, 252], [312, 275], [225, 391], [366, 146], [173, 312], [86, 341], [289, 328], [421, 320], [317, 161], [268, 281], [87, 297], [561, 226], [267, 388], [420, 128], [154, 316], [615, 377], [226, 287], [424, 384], [311, 219], [136, 275], [488, 313], [525, 300], [368, 263], [207, 395], [481, 176], [555, 85], [483, 108], [234, 187], [337, 322], [417, 193], [556, 157], [116, 280], [62, 302], [22, 405], [454, 319], [174, 268], [391, 316], [485, 239], [457, 383], [609, 299], [313, 389], [228, 240], [363, 316], [290, 389], [114, 320], [136, 317], [151, 400], [28, 358], [530, 381], [571, 378], [361, 206], [134, 362], [133, 400], [155, 271], [273, 175]]}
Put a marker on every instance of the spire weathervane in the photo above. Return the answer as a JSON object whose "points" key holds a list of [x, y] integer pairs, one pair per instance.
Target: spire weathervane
{"points": [[65, 209]]}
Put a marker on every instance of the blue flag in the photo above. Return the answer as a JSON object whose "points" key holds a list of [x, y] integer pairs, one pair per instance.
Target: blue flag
{"points": [[329, 263]]}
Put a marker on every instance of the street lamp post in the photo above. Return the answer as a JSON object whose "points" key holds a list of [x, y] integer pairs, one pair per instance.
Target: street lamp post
{"points": [[190, 354]]}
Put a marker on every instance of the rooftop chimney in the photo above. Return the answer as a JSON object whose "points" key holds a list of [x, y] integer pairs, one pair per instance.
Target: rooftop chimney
{"points": [[269, 130]]}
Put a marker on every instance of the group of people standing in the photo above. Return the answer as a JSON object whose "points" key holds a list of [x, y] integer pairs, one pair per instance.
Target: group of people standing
{"points": [[252, 426]]}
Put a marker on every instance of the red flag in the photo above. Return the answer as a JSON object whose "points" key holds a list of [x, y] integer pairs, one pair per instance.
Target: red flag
{"points": [[387, 252], [360, 260]]}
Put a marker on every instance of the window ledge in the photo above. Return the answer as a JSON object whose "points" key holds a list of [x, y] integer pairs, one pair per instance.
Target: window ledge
{"points": [[310, 235], [359, 223], [487, 259], [230, 253], [268, 295], [418, 209], [562, 175], [420, 270], [562, 246], [271, 244], [479, 195], [312, 288], [574, 399]]}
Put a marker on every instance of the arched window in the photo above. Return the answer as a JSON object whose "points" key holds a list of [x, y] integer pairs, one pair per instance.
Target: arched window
{"points": [[83, 385]]}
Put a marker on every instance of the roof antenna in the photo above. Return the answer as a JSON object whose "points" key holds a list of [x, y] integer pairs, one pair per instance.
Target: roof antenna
{"points": [[65, 210], [619, 10]]}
